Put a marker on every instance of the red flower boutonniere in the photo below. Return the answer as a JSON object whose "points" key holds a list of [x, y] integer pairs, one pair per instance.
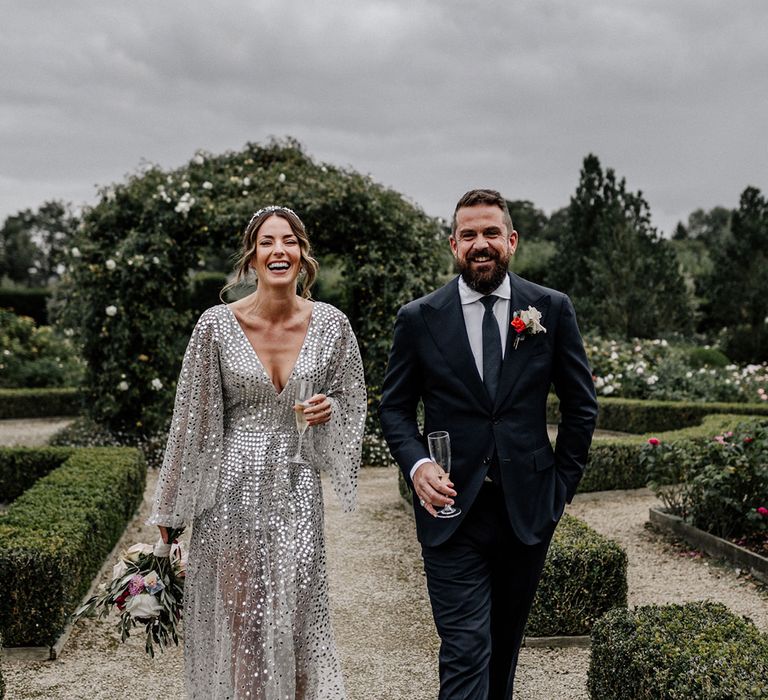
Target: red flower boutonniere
{"points": [[526, 322]]}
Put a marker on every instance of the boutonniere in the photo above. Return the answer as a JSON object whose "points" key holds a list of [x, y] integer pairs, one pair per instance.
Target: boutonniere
{"points": [[526, 322]]}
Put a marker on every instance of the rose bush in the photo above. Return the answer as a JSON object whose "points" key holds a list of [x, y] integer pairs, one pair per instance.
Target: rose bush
{"points": [[35, 356], [658, 369], [718, 485], [126, 291]]}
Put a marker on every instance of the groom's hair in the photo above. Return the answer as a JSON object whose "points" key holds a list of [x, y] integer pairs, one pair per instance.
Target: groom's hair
{"points": [[476, 197]]}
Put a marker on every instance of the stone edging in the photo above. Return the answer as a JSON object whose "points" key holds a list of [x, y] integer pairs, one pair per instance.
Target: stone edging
{"points": [[714, 546]]}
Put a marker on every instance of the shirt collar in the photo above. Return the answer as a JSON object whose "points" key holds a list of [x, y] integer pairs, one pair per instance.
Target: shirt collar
{"points": [[468, 295]]}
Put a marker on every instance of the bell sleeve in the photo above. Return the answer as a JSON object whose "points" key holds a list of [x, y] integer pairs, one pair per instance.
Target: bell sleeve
{"points": [[338, 443], [189, 475]]}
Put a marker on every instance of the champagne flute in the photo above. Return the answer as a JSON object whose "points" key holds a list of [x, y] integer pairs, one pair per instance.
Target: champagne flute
{"points": [[304, 391], [440, 453]]}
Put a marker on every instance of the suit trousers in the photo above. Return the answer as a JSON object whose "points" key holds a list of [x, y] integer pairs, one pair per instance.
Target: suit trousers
{"points": [[481, 584]]}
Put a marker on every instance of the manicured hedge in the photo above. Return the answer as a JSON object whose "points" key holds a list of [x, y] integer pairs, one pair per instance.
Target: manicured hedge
{"points": [[55, 536], [39, 403], [27, 302], [677, 652], [614, 463], [643, 416], [21, 467], [585, 575]]}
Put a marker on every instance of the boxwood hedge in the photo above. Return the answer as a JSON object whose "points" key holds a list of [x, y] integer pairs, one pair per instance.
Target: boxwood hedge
{"points": [[39, 403], [55, 536], [640, 416], [21, 467], [585, 575], [614, 463], [677, 652]]}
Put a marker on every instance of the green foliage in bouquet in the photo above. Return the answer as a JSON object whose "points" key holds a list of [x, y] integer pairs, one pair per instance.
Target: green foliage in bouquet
{"points": [[35, 356], [677, 652], [718, 485], [147, 587], [127, 294], [55, 536], [585, 575]]}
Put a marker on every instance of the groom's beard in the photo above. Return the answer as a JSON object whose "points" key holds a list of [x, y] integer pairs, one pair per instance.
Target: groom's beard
{"points": [[484, 282]]}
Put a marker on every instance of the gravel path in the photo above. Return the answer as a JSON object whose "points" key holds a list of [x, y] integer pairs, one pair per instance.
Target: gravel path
{"points": [[30, 432], [380, 610]]}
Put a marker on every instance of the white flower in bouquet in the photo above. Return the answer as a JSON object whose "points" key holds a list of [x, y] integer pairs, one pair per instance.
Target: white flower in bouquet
{"points": [[119, 569], [143, 606], [133, 553]]}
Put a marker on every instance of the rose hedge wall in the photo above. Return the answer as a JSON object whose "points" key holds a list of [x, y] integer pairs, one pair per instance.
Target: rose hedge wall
{"points": [[55, 536], [126, 293]]}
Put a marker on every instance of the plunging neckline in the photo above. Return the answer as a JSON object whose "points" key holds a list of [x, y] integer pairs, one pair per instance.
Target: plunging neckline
{"points": [[278, 392]]}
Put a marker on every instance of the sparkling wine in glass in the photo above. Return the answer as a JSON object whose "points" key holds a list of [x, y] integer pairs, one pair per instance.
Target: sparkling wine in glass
{"points": [[304, 391], [439, 444]]}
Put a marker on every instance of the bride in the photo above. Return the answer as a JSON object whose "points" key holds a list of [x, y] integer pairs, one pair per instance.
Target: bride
{"points": [[256, 621]]}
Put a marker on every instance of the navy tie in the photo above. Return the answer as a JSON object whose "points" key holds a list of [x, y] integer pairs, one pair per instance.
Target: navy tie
{"points": [[491, 347]]}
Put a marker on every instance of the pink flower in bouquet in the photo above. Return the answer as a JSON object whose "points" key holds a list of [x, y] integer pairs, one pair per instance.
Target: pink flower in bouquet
{"points": [[763, 511], [136, 585], [654, 442]]}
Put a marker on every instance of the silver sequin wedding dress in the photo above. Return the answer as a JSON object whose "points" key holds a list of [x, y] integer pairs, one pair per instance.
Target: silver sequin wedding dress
{"points": [[256, 621]]}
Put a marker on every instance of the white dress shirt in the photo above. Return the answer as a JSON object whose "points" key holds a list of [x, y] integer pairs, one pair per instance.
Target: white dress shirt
{"points": [[473, 320]]}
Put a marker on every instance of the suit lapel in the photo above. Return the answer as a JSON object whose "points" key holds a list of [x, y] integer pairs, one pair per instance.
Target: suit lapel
{"points": [[516, 360], [444, 319]]}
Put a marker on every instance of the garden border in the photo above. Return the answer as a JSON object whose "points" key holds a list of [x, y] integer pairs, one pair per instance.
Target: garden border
{"points": [[717, 547]]}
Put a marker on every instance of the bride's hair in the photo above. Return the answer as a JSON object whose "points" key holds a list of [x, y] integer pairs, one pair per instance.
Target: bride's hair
{"points": [[309, 266]]}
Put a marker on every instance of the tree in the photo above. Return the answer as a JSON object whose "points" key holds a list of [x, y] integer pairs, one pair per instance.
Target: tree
{"points": [[623, 277], [737, 287], [528, 221], [126, 297], [33, 244]]}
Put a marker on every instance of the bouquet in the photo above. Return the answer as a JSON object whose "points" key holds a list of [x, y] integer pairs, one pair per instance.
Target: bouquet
{"points": [[147, 587]]}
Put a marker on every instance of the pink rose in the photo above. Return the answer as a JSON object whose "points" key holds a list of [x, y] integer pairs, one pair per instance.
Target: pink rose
{"points": [[654, 441], [763, 511], [136, 585]]}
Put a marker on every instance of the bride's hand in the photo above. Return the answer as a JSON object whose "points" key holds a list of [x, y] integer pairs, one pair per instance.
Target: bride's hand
{"points": [[318, 410]]}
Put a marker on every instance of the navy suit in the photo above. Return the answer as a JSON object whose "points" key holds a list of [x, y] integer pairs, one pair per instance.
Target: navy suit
{"points": [[431, 361]]}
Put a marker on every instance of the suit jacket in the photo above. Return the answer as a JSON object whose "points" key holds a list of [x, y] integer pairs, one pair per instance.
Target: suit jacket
{"points": [[431, 361]]}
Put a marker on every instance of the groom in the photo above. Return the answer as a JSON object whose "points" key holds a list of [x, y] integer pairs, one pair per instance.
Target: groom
{"points": [[481, 354]]}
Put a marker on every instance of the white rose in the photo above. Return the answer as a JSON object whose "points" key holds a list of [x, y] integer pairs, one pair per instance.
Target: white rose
{"points": [[110, 310], [608, 390], [75, 252], [156, 384], [246, 182], [199, 160], [133, 553], [123, 386], [110, 264], [281, 177], [119, 569], [207, 185], [156, 260], [143, 606], [61, 269]]}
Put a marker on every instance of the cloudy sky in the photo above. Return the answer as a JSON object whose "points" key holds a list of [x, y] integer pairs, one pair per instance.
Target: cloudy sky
{"points": [[430, 97]]}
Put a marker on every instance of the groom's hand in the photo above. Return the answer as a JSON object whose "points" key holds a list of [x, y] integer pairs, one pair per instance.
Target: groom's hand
{"points": [[433, 487]]}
